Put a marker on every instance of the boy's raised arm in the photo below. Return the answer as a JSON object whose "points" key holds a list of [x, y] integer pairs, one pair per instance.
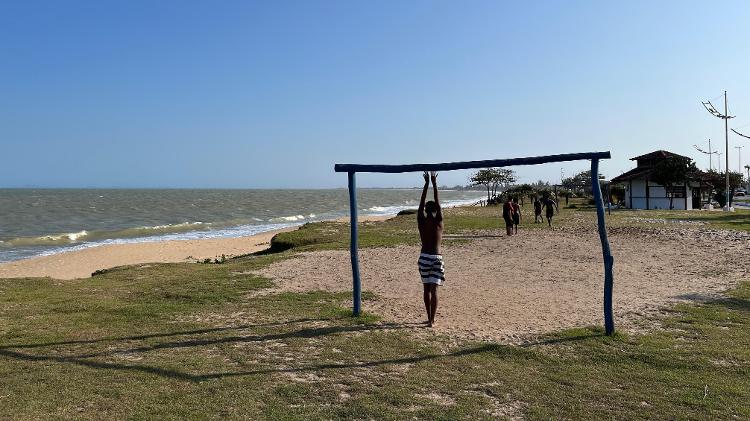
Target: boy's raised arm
{"points": [[439, 212], [420, 210]]}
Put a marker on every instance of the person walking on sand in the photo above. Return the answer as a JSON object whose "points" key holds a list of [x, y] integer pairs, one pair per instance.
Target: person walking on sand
{"points": [[550, 211], [431, 267], [538, 211], [508, 216], [516, 215]]}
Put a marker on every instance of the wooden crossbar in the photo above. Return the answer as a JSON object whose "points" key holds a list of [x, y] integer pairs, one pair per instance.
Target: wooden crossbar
{"points": [[450, 166]]}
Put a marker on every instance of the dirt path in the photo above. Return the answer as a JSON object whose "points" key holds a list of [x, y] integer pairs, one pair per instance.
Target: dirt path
{"points": [[511, 289]]}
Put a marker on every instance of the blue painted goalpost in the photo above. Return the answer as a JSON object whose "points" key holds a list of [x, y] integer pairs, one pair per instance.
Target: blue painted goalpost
{"points": [[353, 169]]}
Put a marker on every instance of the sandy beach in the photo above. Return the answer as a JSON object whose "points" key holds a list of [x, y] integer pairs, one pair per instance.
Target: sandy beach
{"points": [[82, 263], [511, 289], [497, 288]]}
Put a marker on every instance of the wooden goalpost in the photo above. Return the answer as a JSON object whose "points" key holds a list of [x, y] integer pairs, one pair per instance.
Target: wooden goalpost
{"points": [[353, 169]]}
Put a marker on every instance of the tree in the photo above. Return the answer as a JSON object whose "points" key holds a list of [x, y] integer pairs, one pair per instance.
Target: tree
{"points": [[502, 177], [567, 194], [718, 181], [483, 177], [671, 171], [522, 191], [580, 183], [492, 178]]}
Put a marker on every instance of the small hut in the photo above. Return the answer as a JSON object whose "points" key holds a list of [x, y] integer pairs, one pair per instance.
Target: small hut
{"points": [[642, 193]]}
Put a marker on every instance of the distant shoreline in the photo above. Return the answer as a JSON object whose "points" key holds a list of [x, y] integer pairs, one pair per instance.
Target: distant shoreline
{"points": [[82, 263], [45, 223]]}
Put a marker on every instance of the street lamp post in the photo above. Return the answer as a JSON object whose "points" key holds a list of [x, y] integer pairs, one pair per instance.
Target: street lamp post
{"points": [[739, 158], [714, 112], [747, 167], [710, 154], [720, 154]]}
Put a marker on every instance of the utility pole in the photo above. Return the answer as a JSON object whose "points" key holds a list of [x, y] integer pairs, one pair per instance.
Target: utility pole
{"points": [[739, 158], [747, 167], [714, 112], [720, 154], [726, 138], [709, 153]]}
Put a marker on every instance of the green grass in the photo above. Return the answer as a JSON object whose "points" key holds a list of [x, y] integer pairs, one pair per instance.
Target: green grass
{"points": [[738, 220], [183, 341], [403, 229]]}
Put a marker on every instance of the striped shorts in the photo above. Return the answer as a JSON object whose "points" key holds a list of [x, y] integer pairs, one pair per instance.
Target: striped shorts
{"points": [[431, 268]]}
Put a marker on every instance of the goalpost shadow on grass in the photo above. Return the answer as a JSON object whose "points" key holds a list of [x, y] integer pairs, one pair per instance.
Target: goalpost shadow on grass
{"points": [[87, 359]]}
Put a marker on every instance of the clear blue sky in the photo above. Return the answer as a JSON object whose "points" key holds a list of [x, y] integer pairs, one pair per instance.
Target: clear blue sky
{"points": [[272, 94]]}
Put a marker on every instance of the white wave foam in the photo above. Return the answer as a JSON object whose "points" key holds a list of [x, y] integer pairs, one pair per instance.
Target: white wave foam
{"points": [[393, 210], [287, 218], [70, 236], [233, 232], [167, 226], [76, 235]]}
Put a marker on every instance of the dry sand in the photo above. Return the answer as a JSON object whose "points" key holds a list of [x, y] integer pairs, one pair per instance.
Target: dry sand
{"points": [[81, 263], [513, 289]]}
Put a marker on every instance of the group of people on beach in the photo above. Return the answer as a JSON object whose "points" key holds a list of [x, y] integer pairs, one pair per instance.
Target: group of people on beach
{"points": [[430, 224], [512, 212]]}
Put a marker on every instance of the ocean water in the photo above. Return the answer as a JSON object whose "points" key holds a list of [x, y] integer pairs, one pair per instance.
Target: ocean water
{"points": [[38, 222]]}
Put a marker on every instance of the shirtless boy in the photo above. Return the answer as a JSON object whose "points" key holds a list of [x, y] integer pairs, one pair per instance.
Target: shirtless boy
{"points": [[431, 269]]}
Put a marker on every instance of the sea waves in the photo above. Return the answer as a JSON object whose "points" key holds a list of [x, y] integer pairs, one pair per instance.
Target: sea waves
{"points": [[94, 235], [393, 210], [262, 219]]}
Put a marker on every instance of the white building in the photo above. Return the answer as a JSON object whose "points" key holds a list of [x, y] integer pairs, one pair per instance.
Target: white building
{"points": [[641, 193]]}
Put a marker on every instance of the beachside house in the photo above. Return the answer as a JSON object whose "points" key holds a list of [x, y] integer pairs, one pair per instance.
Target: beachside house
{"points": [[642, 193]]}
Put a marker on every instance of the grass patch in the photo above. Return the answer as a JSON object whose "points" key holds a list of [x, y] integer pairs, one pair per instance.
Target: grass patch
{"points": [[402, 229], [737, 220]]}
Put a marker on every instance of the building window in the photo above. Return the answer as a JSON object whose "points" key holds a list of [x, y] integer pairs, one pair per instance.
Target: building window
{"points": [[675, 191]]}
